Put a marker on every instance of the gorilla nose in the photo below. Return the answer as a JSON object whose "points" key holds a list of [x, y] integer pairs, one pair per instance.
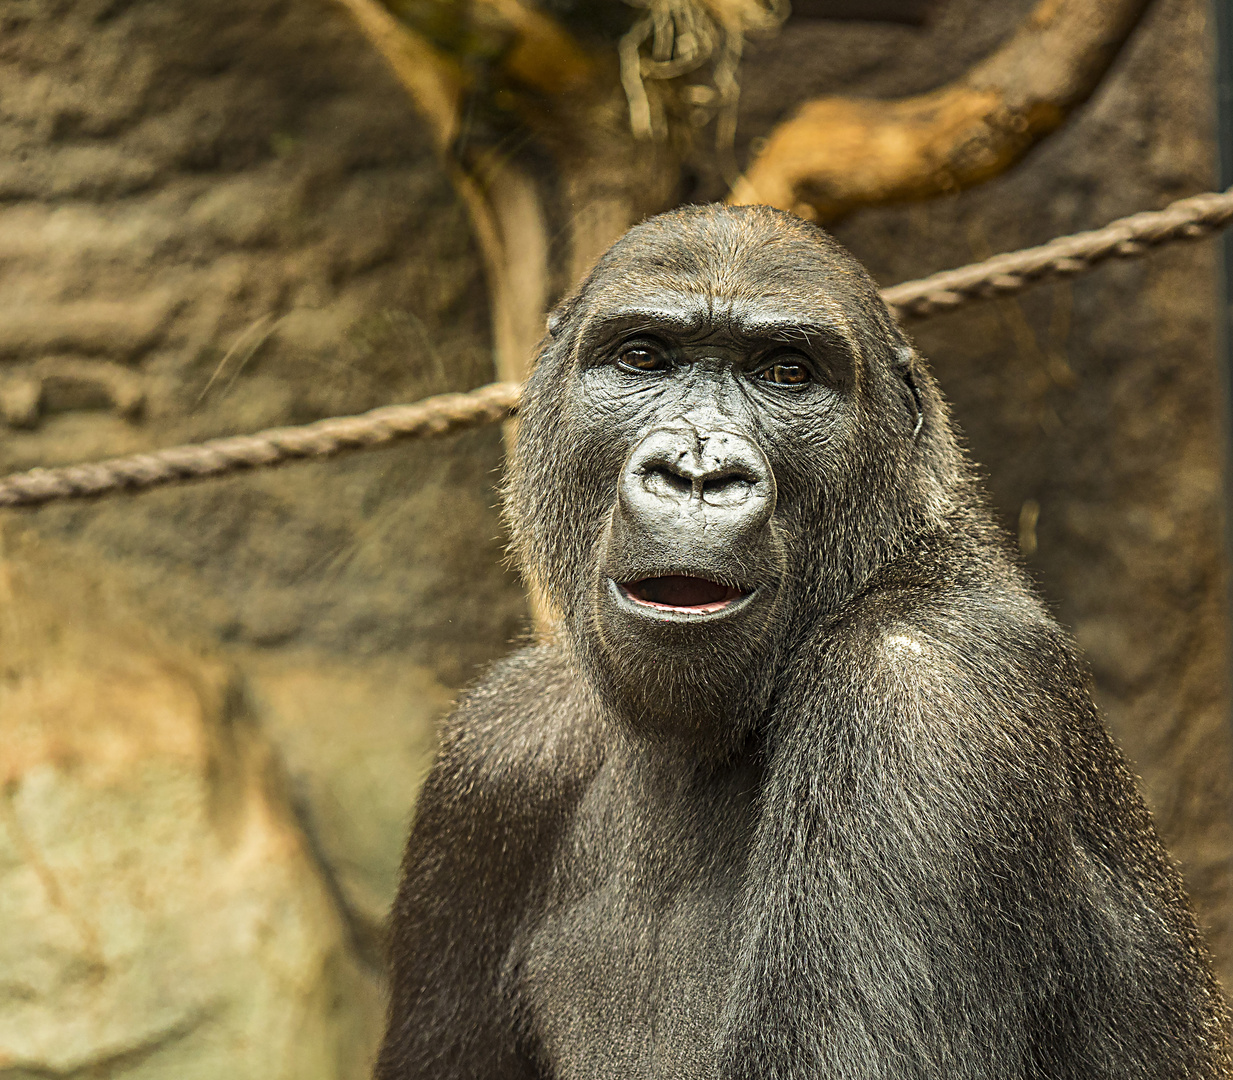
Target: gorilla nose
{"points": [[697, 487]]}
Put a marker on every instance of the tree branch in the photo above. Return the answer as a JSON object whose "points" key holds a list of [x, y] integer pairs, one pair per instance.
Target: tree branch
{"points": [[912, 12], [434, 81], [543, 56], [838, 154]]}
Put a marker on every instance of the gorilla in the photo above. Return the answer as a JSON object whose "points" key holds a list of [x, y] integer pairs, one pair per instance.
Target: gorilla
{"points": [[805, 782]]}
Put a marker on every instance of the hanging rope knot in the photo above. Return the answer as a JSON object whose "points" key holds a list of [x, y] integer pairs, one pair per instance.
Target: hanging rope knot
{"points": [[678, 37]]}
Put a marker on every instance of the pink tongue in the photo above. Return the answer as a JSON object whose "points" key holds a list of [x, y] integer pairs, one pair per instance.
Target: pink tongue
{"points": [[696, 594]]}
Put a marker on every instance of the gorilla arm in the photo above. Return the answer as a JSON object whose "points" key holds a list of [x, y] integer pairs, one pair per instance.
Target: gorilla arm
{"points": [[953, 875], [510, 767]]}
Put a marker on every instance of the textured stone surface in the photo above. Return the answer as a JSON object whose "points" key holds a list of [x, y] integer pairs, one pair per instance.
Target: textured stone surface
{"points": [[217, 217], [229, 211], [357, 738], [163, 915]]}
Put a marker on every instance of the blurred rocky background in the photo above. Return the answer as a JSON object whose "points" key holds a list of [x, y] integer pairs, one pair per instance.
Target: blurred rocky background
{"points": [[217, 699]]}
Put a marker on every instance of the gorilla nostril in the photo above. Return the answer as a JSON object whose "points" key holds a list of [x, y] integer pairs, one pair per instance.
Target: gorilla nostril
{"points": [[665, 482], [728, 489], [718, 489], [718, 475]]}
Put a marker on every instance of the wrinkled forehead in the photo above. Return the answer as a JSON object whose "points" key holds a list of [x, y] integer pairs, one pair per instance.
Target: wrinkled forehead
{"points": [[735, 272]]}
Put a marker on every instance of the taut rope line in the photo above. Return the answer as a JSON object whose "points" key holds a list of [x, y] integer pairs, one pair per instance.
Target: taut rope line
{"points": [[1127, 238], [431, 417], [1002, 275]]}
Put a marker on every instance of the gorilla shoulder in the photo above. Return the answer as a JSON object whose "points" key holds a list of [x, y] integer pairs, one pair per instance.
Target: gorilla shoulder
{"points": [[527, 724]]}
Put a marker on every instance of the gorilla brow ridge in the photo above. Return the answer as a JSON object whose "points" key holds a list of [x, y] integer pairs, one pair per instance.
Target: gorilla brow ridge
{"points": [[731, 270]]}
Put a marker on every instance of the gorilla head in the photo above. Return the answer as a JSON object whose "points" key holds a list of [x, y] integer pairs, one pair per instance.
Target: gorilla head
{"points": [[724, 435]]}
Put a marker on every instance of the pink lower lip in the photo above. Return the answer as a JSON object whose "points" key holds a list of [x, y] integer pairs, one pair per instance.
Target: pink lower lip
{"points": [[718, 605]]}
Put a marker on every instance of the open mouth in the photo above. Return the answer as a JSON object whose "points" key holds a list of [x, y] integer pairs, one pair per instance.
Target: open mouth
{"points": [[678, 593]]}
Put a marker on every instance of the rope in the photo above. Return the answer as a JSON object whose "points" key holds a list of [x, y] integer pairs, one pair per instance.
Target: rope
{"points": [[1002, 275], [431, 417]]}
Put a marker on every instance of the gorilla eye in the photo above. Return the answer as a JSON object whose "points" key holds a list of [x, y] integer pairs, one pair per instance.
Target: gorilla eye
{"points": [[785, 373], [642, 358]]}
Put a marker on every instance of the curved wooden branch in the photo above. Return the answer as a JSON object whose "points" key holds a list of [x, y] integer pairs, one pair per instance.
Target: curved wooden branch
{"points": [[837, 154], [434, 81], [505, 214], [543, 56]]}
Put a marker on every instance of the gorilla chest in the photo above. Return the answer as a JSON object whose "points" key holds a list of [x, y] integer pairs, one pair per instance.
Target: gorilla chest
{"points": [[626, 971]]}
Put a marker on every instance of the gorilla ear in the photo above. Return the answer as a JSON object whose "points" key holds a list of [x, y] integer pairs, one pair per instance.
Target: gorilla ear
{"points": [[560, 315], [904, 363]]}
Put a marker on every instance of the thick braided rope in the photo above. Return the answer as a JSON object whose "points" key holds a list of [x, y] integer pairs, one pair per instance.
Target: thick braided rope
{"points": [[425, 419], [1002, 275]]}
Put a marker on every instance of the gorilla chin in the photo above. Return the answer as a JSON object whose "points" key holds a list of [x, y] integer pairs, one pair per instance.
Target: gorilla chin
{"points": [[674, 647]]}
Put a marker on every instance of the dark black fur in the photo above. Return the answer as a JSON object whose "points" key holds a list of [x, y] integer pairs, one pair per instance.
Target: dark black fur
{"points": [[874, 830]]}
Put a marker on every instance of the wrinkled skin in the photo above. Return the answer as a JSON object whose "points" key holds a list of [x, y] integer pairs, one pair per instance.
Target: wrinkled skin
{"points": [[806, 783]]}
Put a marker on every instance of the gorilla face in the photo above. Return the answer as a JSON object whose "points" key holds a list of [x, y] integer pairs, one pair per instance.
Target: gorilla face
{"points": [[721, 434]]}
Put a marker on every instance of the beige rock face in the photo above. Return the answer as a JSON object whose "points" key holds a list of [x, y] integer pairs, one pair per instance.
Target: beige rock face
{"points": [[217, 217], [162, 913], [354, 782]]}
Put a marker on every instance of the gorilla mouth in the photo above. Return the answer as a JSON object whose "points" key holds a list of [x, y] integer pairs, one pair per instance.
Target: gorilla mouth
{"points": [[678, 593]]}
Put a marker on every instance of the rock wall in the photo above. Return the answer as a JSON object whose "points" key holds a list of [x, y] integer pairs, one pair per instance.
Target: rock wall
{"points": [[213, 218], [164, 913], [216, 700]]}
